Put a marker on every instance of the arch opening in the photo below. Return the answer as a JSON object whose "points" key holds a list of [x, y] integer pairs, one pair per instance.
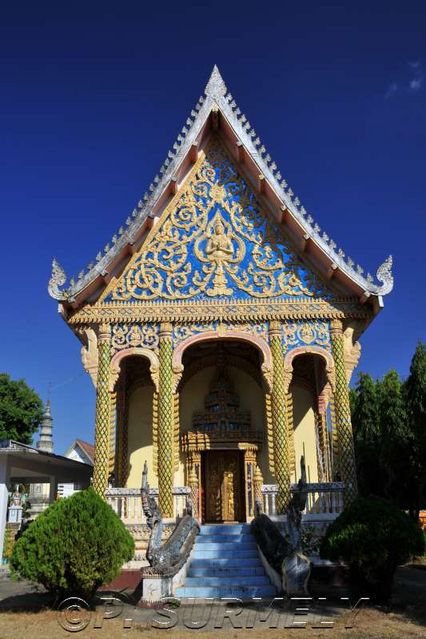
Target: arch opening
{"points": [[222, 426], [310, 391]]}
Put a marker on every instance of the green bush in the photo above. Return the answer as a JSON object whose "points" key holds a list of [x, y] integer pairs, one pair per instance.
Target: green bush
{"points": [[73, 547], [373, 537]]}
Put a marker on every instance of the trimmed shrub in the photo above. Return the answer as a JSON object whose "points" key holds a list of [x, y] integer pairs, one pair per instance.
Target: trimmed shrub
{"points": [[73, 547], [9, 541], [373, 537]]}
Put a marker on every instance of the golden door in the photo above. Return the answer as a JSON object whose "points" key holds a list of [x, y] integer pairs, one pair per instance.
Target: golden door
{"points": [[223, 485]]}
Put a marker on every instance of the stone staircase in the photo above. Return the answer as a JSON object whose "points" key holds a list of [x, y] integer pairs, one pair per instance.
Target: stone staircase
{"points": [[225, 563]]}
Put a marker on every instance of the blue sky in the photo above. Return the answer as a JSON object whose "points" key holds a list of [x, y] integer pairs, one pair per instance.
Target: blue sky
{"points": [[93, 95]]}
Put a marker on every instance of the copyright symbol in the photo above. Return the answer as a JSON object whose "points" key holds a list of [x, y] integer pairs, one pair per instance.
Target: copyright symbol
{"points": [[73, 614]]}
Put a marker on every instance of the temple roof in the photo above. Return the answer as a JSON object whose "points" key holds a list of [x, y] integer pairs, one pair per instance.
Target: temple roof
{"points": [[217, 112]]}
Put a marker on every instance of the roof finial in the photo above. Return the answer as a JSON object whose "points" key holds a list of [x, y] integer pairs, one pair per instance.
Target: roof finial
{"points": [[215, 87], [57, 279], [384, 275]]}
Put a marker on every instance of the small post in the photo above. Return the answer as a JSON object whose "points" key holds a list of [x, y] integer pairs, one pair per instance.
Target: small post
{"points": [[4, 498]]}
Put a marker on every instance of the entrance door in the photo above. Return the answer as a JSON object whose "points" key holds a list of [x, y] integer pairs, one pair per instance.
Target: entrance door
{"points": [[223, 486]]}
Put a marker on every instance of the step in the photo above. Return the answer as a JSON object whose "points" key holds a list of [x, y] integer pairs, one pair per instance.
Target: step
{"points": [[225, 562], [224, 529], [239, 592], [226, 545], [239, 573], [220, 553], [257, 580], [245, 538]]}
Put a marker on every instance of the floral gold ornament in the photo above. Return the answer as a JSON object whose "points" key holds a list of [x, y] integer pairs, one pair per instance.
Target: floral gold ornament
{"points": [[214, 241], [125, 336], [311, 332]]}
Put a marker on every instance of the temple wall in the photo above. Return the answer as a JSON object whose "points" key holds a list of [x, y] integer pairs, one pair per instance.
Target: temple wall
{"points": [[304, 433], [140, 437], [192, 399]]}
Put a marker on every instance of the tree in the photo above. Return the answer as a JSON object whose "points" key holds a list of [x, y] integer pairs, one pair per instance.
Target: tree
{"points": [[75, 546], [415, 393], [389, 422], [366, 428], [373, 537], [396, 439], [21, 410]]}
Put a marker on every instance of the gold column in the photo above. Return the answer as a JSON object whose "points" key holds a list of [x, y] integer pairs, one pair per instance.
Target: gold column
{"points": [[165, 422], [195, 478], [335, 462], [321, 439], [279, 421], [121, 455], [193, 462], [258, 483], [345, 444], [103, 409], [290, 426], [249, 472], [112, 471]]}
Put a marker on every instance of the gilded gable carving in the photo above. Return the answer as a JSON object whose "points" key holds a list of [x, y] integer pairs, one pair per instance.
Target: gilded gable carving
{"points": [[215, 242]]}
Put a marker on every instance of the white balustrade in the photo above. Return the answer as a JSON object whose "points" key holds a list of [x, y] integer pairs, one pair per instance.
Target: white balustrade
{"points": [[127, 503], [323, 499]]}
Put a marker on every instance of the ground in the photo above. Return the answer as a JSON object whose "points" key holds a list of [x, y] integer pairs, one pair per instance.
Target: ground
{"points": [[23, 613]]}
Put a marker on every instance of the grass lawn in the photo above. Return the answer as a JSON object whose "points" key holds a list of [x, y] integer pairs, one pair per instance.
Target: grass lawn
{"points": [[370, 624], [23, 615]]}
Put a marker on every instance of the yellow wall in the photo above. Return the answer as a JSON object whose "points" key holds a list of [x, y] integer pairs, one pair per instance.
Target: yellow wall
{"points": [[140, 437], [192, 399], [304, 433]]}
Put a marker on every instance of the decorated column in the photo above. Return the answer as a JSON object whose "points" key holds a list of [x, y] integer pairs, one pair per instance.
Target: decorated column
{"points": [[344, 437], [165, 422], [279, 421], [103, 410], [258, 483], [193, 479], [121, 452], [249, 474]]}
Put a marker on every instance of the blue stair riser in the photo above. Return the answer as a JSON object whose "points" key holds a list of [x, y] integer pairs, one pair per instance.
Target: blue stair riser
{"points": [[226, 545], [224, 529], [216, 571], [238, 592], [225, 539], [260, 580], [229, 562], [225, 554]]}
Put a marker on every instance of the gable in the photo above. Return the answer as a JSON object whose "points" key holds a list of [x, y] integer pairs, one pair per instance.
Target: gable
{"points": [[215, 241]]}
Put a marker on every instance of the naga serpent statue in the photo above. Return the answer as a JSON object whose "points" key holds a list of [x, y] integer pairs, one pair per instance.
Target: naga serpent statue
{"points": [[285, 557], [166, 558]]}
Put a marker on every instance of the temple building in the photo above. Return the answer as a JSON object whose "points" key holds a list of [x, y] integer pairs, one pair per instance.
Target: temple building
{"points": [[220, 327]]}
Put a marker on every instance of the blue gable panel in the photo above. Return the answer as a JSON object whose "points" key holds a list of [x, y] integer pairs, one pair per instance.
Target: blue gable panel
{"points": [[216, 242]]}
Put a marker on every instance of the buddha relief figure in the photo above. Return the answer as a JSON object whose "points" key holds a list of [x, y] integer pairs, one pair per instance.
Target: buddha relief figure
{"points": [[219, 245], [220, 250]]}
